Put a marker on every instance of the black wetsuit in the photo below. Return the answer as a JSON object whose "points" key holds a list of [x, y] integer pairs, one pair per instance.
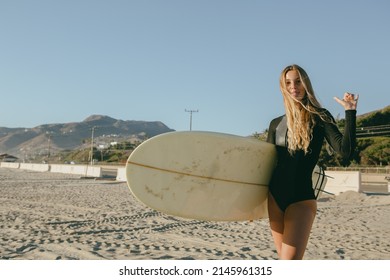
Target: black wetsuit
{"points": [[292, 178]]}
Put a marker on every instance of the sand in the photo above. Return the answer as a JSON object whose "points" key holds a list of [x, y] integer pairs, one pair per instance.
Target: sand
{"points": [[48, 216]]}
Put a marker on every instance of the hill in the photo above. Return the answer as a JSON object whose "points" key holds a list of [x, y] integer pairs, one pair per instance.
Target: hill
{"points": [[51, 138], [376, 123], [375, 118]]}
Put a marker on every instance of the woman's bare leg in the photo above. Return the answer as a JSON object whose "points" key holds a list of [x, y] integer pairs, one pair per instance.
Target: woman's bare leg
{"points": [[298, 221], [276, 220]]}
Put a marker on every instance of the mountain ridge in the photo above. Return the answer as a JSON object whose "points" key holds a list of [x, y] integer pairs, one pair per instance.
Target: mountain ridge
{"points": [[47, 138]]}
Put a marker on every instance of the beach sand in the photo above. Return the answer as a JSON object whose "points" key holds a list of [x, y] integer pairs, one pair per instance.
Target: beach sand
{"points": [[48, 216]]}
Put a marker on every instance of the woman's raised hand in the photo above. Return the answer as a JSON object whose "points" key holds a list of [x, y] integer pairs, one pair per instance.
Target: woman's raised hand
{"points": [[349, 101]]}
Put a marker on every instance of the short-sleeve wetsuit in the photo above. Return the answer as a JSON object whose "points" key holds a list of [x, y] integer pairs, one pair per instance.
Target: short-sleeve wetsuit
{"points": [[292, 178]]}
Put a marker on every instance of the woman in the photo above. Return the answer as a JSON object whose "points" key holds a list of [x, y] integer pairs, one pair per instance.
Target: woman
{"points": [[299, 136]]}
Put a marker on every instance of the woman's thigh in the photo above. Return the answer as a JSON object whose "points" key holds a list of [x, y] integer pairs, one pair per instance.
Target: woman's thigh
{"points": [[276, 220], [298, 221]]}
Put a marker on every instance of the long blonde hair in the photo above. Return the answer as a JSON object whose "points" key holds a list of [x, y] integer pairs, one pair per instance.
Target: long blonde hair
{"points": [[301, 115]]}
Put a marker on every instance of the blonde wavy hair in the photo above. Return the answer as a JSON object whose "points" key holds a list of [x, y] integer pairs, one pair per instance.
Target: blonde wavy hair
{"points": [[301, 115]]}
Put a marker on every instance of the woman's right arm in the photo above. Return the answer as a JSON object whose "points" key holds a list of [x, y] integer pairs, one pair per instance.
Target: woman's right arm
{"points": [[271, 131]]}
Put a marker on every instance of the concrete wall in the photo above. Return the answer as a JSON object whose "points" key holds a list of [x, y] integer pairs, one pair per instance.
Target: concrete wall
{"points": [[121, 174], [84, 170], [342, 181], [375, 178], [35, 167], [10, 164]]}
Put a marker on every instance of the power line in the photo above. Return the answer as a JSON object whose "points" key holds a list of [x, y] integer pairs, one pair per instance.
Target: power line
{"points": [[191, 111]]}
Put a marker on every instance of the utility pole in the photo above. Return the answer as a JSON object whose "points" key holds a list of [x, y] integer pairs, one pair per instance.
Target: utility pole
{"points": [[93, 131], [48, 133], [191, 111]]}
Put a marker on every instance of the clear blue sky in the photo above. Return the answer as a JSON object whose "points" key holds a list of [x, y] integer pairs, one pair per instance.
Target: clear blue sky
{"points": [[61, 61]]}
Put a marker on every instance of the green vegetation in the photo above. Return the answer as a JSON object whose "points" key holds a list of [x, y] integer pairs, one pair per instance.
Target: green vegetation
{"points": [[369, 151], [117, 154], [374, 151], [380, 117]]}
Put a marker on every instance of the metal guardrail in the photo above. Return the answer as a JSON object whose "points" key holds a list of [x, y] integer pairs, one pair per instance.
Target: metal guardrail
{"points": [[375, 170], [370, 131]]}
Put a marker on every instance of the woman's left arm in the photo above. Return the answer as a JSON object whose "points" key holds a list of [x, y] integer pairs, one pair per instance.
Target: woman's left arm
{"points": [[344, 143]]}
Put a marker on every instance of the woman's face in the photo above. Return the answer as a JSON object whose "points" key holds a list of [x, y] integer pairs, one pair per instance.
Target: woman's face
{"points": [[294, 85]]}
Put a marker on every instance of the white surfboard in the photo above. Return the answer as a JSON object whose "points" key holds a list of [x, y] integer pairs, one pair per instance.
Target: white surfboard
{"points": [[203, 175]]}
